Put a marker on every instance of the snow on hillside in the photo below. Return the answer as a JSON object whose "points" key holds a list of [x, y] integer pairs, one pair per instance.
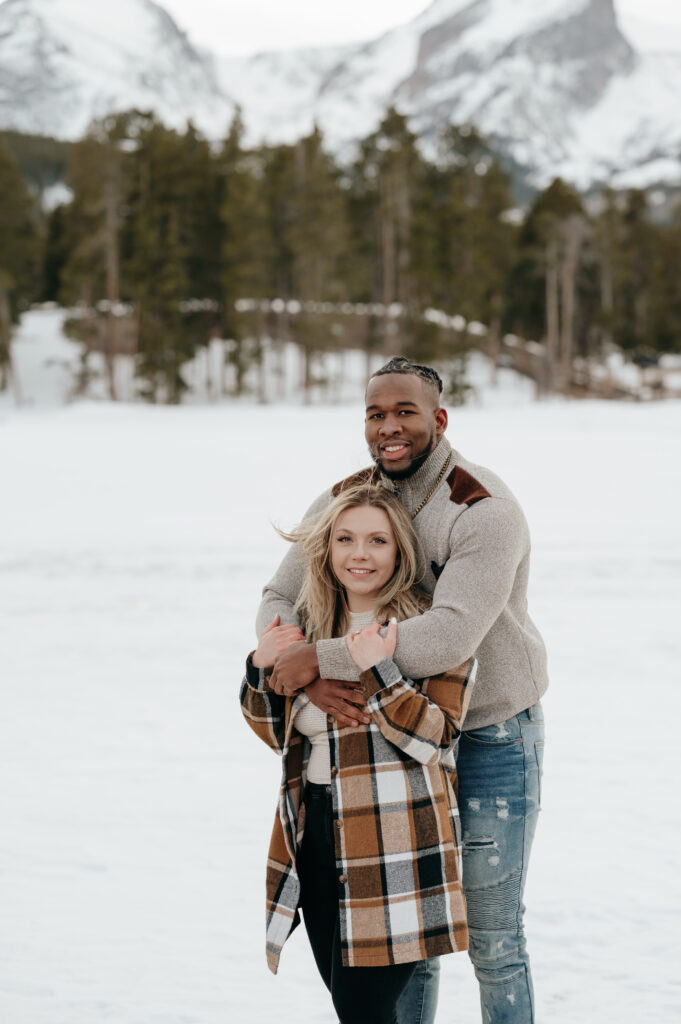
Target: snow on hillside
{"points": [[619, 141], [67, 61], [267, 82], [555, 84], [136, 805]]}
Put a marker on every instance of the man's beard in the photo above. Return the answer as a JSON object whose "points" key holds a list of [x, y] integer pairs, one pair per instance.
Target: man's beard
{"points": [[416, 463]]}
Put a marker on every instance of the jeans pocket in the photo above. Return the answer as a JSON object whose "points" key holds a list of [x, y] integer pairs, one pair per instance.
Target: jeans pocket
{"points": [[536, 712], [505, 734], [539, 754]]}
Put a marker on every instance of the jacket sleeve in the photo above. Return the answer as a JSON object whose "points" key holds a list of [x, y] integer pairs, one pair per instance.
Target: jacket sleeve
{"points": [[486, 545], [421, 720], [263, 709]]}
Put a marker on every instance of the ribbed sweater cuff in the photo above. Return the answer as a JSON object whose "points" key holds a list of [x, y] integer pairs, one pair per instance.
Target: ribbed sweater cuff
{"points": [[335, 661]]}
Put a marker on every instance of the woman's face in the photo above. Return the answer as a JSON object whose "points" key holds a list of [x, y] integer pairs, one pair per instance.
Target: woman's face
{"points": [[363, 554]]}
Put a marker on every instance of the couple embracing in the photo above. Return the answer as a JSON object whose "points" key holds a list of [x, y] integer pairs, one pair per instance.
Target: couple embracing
{"points": [[398, 674]]}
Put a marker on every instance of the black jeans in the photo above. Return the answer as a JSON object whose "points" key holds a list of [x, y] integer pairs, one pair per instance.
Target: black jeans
{"points": [[361, 995]]}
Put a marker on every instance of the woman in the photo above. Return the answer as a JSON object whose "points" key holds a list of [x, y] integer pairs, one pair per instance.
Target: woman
{"points": [[365, 840]]}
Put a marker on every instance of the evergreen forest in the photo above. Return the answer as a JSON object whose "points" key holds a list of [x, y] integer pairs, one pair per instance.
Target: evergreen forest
{"points": [[168, 241]]}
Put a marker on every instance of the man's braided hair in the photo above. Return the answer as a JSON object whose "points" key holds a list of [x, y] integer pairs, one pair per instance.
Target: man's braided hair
{"points": [[400, 364]]}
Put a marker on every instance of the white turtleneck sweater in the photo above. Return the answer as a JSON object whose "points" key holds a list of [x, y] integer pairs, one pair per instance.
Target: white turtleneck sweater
{"points": [[312, 722]]}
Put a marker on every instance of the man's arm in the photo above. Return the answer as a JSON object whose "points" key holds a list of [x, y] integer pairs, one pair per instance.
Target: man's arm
{"points": [[487, 543]]}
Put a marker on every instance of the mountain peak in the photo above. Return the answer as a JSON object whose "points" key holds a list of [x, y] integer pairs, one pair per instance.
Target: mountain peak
{"points": [[554, 83], [67, 61]]}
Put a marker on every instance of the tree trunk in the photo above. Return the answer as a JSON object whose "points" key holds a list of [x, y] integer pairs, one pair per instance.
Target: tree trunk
{"points": [[552, 312], [388, 258], [8, 374], [641, 305], [574, 233], [111, 199], [494, 339], [607, 299], [5, 336]]}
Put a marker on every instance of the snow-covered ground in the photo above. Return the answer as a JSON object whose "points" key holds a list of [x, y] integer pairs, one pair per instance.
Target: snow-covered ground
{"points": [[135, 804]]}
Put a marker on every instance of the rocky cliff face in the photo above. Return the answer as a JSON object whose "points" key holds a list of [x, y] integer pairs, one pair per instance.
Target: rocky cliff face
{"points": [[554, 82], [525, 88]]}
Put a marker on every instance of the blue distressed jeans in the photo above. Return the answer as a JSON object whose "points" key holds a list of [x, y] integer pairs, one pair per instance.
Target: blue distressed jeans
{"points": [[499, 769]]}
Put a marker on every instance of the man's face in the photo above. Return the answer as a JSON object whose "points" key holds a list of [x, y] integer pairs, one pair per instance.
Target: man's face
{"points": [[403, 423]]}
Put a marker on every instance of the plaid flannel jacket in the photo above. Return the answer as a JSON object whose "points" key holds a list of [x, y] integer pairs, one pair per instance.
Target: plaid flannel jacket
{"points": [[396, 821]]}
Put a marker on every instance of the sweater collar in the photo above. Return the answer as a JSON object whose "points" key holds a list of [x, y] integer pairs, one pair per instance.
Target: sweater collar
{"points": [[414, 488]]}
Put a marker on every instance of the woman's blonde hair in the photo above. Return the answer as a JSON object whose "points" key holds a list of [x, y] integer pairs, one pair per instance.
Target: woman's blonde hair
{"points": [[322, 605]]}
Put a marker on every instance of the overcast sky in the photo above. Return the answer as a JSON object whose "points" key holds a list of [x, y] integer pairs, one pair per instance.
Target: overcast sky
{"points": [[247, 26], [242, 27]]}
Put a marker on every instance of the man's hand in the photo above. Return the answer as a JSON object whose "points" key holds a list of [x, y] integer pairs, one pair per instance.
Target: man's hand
{"points": [[338, 699], [294, 668], [274, 641]]}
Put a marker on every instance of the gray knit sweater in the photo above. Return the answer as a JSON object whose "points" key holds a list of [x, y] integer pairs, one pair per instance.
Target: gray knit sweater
{"points": [[474, 557]]}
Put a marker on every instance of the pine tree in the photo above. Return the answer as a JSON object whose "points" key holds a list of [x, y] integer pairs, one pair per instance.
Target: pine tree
{"points": [[635, 276], [476, 237], [608, 242], [247, 263], [387, 181], [157, 257], [316, 238], [19, 240], [545, 279], [97, 173], [667, 293]]}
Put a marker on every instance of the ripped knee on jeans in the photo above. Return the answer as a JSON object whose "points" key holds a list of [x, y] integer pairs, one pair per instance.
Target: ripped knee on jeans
{"points": [[490, 846], [496, 907], [480, 844]]}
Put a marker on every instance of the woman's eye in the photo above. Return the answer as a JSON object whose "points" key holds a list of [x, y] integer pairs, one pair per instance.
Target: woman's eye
{"points": [[341, 539], [380, 540]]}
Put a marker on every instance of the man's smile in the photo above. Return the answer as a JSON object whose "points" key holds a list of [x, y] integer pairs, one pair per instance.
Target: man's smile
{"points": [[394, 450]]}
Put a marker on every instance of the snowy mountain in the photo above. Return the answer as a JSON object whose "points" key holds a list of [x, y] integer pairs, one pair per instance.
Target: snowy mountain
{"points": [[555, 83], [63, 62]]}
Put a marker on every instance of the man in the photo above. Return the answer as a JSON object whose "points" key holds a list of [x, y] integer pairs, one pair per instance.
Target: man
{"points": [[474, 556]]}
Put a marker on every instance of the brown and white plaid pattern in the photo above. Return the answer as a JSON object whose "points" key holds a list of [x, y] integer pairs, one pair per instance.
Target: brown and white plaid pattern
{"points": [[396, 821]]}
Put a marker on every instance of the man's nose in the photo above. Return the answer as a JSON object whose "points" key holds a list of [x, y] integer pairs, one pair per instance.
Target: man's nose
{"points": [[390, 425]]}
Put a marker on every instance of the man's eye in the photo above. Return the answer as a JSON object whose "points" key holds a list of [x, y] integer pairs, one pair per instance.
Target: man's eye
{"points": [[406, 412], [376, 416]]}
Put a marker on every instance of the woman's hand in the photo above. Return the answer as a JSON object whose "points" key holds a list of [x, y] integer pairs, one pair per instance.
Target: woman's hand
{"points": [[367, 647], [274, 641]]}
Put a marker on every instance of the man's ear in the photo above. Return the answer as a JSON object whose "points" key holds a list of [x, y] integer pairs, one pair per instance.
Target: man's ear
{"points": [[440, 421]]}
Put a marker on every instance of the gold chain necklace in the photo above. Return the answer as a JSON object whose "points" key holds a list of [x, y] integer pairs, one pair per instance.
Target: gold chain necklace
{"points": [[433, 489]]}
